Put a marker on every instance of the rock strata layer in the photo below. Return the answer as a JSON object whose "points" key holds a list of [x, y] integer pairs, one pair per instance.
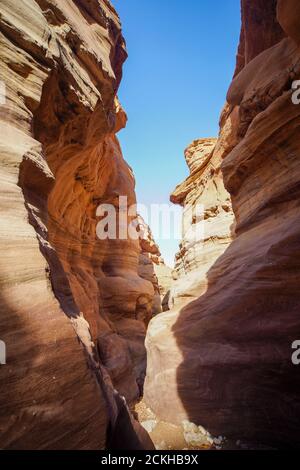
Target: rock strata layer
{"points": [[73, 308], [207, 218], [153, 268], [224, 359]]}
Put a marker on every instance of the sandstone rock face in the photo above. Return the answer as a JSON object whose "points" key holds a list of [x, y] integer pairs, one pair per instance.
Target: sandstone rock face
{"points": [[224, 359], [153, 268], [288, 13], [260, 29], [207, 218], [72, 306], [165, 278]]}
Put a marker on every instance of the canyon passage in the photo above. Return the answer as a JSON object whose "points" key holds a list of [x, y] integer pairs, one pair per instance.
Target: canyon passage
{"points": [[107, 347]]}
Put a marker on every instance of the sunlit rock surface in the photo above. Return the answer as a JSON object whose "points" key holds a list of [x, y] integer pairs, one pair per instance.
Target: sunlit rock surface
{"points": [[207, 217], [153, 268], [224, 359]]}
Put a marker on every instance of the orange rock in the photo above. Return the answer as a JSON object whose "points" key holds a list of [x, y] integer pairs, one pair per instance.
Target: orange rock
{"points": [[206, 234], [223, 359], [70, 303]]}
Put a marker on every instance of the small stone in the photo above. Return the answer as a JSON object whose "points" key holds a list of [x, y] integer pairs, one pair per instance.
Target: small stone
{"points": [[203, 431], [195, 439], [149, 425], [218, 441], [189, 427]]}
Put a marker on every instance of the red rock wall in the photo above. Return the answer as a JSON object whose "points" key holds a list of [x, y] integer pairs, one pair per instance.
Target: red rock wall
{"points": [[224, 360], [70, 304], [260, 29]]}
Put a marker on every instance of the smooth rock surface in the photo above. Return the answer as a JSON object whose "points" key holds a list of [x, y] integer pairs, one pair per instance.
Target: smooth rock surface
{"points": [[153, 268], [72, 306], [207, 217], [224, 359]]}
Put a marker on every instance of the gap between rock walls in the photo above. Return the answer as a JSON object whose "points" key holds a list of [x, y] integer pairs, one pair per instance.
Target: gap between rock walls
{"points": [[109, 347]]}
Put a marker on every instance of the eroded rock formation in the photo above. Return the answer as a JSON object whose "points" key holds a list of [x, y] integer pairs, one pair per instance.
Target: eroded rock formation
{"points": [[224, 359], [207, 218], [152, 267], [73, 308]]}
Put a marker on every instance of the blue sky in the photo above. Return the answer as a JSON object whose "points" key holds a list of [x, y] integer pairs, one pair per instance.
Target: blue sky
{"points": [[181, 60]]}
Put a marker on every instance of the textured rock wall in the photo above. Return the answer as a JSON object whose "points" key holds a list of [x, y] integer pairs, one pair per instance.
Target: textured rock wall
{"points": [[207, 218], [153, 268], [72, 307], [224, 359]]}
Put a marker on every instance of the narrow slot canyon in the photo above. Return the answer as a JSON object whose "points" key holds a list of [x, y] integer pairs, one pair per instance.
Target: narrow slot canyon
{"points": [[109, 348]]}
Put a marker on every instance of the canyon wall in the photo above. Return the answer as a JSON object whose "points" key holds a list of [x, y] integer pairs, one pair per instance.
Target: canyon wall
{"points": [[223, 358], [152, 267], [207, 218], [74, 309]]}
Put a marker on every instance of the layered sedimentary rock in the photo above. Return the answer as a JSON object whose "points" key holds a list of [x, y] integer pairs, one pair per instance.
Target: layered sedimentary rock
{"points": [[73, 307], [224, 359], [153, 268], [149, 257], [165, 278], [207, 219]]}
